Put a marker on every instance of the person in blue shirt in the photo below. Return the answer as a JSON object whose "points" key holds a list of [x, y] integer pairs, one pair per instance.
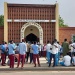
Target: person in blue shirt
{"points": [[22, 53], [3, 50], [11, 53], [35, 49]]}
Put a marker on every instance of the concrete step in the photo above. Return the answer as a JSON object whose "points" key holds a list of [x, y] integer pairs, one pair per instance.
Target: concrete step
{"points": [[30, 67]]}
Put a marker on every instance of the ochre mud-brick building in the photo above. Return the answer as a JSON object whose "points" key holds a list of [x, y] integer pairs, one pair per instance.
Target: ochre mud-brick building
{"points": [[32, 22], [1, 34]]}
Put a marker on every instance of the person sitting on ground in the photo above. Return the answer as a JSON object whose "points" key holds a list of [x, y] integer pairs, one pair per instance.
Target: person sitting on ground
{"points": [[66, 60]]}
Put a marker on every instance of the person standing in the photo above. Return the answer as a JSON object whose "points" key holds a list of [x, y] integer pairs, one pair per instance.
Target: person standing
{"points": [[0, 52], [28, 51], [58, 54], [6, 47], [44, 51], [11, 52], [73, 59], [65, 46], [22, 53], [53, 52], [3, 50], [48, 49], [70, 48], [39, 49], [35, 54], [73, 45], [31, 53]]}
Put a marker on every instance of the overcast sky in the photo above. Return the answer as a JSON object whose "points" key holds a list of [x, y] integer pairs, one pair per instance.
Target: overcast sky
{"points": [[66, 8]]}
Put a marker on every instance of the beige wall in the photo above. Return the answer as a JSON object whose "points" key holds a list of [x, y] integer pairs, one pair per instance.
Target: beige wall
{"points": [[5, 23], [57, 22], [34, 31]]}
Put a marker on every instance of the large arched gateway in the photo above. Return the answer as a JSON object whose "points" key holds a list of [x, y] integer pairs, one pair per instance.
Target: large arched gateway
{"points": [[32, 31]]}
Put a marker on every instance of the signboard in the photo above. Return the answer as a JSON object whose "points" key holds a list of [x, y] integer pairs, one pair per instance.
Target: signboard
{"points": [[29, 20]]}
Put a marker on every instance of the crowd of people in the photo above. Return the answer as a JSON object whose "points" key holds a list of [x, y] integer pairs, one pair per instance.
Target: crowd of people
{"points": [[35, 50], [66, 50]]}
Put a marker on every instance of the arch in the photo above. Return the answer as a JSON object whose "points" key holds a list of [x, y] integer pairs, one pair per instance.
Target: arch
{"points": [[31, 29], [32, 24]]}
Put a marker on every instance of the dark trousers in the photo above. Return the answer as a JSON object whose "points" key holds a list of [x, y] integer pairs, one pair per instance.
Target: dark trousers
{"points": [[36, 56], [11, 57], [21, 59], [31, 57], [70, 54], [40, 53], [3, 58], [52, 56], [27, 56]]}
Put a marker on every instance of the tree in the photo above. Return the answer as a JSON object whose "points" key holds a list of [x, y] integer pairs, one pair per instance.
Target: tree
{"points": [[1, 20], [61, 22]]}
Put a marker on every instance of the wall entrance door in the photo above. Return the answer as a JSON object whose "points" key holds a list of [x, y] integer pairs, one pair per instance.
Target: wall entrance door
{"points": [[31, 37], [32, 29]]}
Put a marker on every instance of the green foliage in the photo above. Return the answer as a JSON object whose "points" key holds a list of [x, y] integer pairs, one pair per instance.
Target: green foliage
{"points": [[1, 20], [61, 22]]}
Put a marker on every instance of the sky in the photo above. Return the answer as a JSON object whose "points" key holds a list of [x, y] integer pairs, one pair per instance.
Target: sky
{"points": [[66, 8]]}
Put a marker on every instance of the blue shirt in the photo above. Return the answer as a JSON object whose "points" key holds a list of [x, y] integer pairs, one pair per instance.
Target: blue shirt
{"points": [[3, 48], [35, 49], [22, 48], [11, 49]]}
